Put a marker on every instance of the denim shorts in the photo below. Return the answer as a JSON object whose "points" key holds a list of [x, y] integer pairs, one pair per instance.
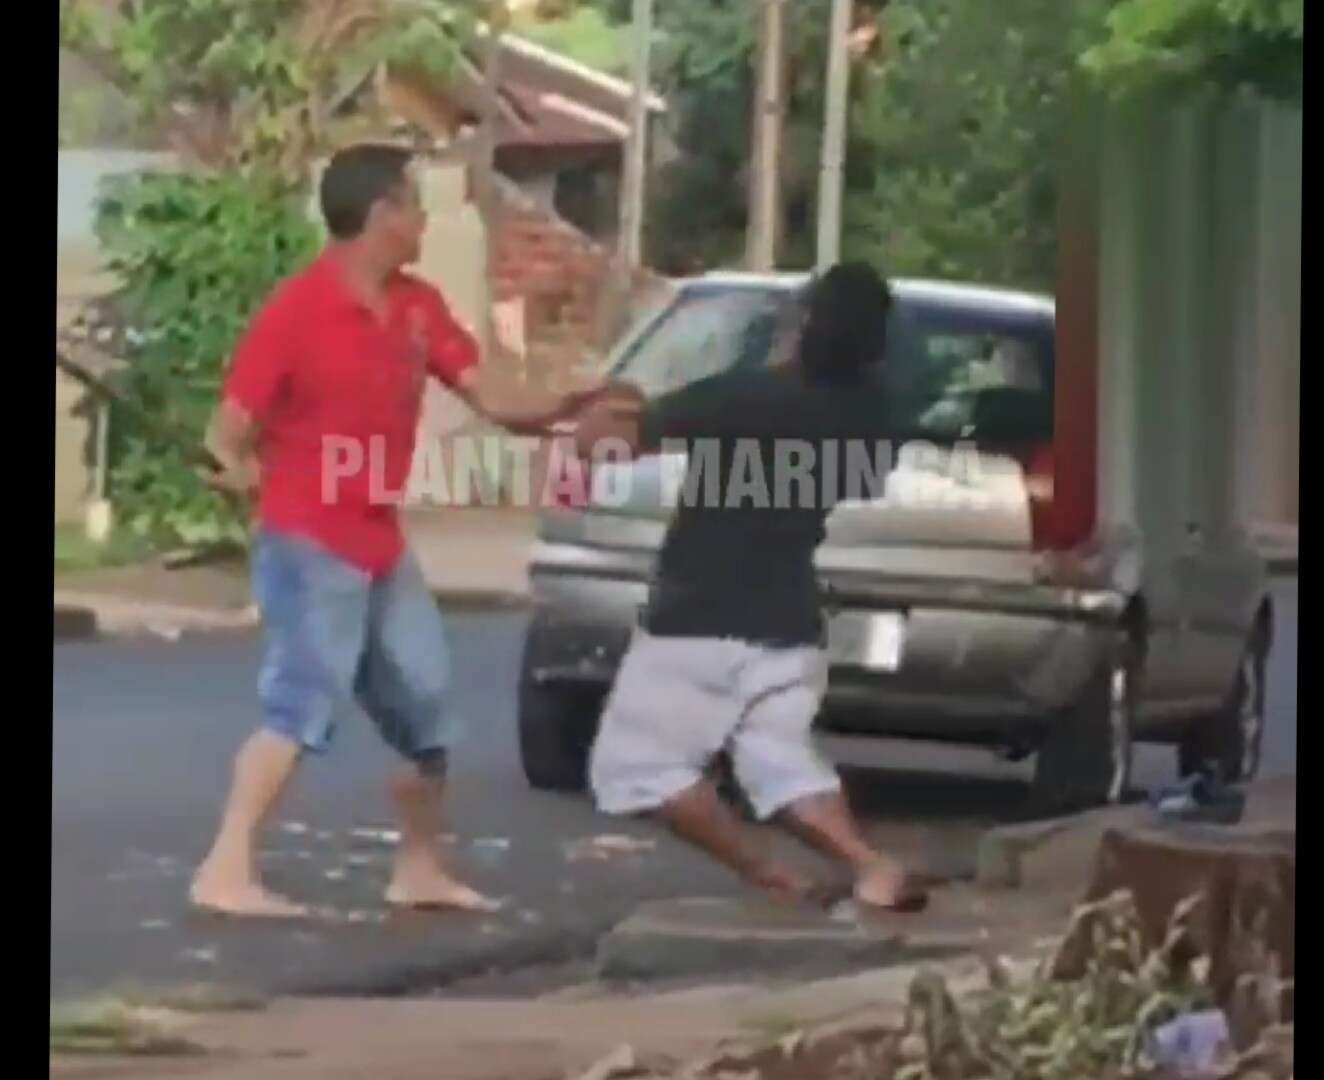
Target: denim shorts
{"points": [[335, 634]]}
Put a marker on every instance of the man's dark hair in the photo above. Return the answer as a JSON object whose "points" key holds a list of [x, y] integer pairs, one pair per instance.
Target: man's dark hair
{"points": [[846, 327], [355, 178]]}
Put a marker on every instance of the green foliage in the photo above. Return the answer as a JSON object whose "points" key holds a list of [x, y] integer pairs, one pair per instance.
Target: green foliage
{"points": [[111, 1028], [1202, 43], [75, 551], [82, 118], [254, 83], [952, 148], [954, 140], [955, 120], [1094, 1021], [198, 254], [704, 63]]}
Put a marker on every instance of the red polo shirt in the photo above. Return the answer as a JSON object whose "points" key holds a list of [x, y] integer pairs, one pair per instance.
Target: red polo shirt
{"points": [[337, 393]]}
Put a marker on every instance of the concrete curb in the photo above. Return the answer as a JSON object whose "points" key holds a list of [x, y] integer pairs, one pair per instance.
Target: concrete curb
{"points": [[79, 616], [1005, 850], [676, 939], [82, 616], [1016, 856]]}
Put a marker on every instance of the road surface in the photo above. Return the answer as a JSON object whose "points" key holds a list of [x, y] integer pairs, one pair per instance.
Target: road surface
{"points": [[143, 736]]}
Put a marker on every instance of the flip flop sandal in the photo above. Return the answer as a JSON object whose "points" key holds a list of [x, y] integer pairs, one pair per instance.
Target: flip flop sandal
{"points": [[911, 898]]}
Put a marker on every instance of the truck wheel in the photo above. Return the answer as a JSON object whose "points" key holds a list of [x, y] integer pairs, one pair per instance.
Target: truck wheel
{"points": [[1085, 758], [557, 726], [1228, 744]]}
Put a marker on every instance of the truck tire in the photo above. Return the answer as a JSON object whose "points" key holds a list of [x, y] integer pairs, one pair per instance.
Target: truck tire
{"points": [[1085, 758], [1228, 744], [557, 726]]}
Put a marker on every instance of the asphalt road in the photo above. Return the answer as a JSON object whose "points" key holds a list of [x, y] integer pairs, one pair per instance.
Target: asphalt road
{"points": [[143, 736]]}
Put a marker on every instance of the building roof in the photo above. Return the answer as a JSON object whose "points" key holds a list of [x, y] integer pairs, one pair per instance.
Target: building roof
{"points": [[588, 84], [545, 99]]}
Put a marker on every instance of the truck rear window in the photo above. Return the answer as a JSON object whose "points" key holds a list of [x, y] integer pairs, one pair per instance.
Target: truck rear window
{"points": [[951, 371]]}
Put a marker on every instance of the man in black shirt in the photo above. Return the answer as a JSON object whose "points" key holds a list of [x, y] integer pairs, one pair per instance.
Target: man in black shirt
{"points": [[729, 651]]}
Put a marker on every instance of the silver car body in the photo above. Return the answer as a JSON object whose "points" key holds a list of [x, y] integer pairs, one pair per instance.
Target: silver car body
{"points": [[948, 623]]}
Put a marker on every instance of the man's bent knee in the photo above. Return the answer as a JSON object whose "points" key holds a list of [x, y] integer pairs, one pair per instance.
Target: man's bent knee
{"points": [[777, 774], [308, 730], [432, 763], [626, 788]]}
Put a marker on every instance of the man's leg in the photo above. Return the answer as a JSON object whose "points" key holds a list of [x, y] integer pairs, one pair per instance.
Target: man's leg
{"points": [[227, 881], [419, 879], [668, 713], [824, 821], [314, 611], [699, 816], [404, 684], [786, 779]]}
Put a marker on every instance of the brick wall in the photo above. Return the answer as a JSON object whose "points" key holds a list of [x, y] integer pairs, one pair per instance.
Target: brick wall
{"points": [[574, 302]]}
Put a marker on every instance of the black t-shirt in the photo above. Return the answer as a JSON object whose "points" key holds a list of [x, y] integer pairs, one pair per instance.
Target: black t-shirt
{"points": [[769, 455]]}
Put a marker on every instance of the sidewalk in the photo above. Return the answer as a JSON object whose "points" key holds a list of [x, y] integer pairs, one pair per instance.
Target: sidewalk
{"points": [[474, 556], [559, 1035], [470, 557]]}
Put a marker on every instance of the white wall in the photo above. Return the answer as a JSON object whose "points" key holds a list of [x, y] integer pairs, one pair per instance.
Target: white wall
{"points": [[79, 277], [79, 175]]}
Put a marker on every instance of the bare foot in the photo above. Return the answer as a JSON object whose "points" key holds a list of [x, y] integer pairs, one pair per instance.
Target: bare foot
{"points": [[243, 899], [436, 890], [887, 886], [780, 884]]}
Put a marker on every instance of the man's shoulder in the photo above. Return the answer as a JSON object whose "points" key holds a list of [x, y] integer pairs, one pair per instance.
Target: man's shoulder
{"points": [[298, 288], [417, 287]]}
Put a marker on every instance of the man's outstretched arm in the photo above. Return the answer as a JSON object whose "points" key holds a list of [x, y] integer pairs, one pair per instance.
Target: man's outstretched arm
{"points": [[708, 408], [518, 407], [616, 414]]}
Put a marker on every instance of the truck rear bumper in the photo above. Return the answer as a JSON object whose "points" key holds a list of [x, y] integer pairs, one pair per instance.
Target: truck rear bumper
{"points": [[966, 671]]}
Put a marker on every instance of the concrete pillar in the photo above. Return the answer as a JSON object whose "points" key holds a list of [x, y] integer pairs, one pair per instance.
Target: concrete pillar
{"points": [[1200, 308], [1238, 299], [1119, 262], [454, 259], [1278, 265]]}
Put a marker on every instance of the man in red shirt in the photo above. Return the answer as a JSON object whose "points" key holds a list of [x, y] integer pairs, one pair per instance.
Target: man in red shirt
{"points": [[318, 418]]}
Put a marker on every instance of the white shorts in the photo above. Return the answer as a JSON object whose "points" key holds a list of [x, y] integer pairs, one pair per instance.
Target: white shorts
{"points": [[677, 701]]}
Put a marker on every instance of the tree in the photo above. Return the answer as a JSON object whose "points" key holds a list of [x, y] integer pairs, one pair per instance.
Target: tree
{"points": [[1202, 43], [257, 83], [705, 67], [956, 114], [953, 153]]}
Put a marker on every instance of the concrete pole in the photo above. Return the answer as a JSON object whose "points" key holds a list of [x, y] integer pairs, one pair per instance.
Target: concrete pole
{"points": [[630, 246], [769, 117], [834, 136], [485, 163]]}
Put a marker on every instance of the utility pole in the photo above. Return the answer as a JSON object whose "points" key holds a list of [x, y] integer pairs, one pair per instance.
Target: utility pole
{"points": [[630, 248], [485, 165], [765, 196], [834, 136]]}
